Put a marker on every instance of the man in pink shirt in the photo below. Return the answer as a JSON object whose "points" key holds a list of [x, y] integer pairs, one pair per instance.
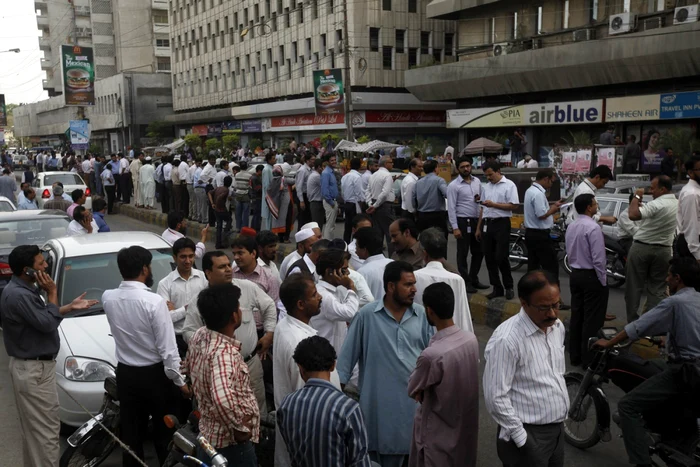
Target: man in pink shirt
{"points": [[79, 199]]}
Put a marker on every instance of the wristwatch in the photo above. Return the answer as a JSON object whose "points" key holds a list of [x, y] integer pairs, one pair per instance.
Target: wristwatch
{"points": [[638, 197]]}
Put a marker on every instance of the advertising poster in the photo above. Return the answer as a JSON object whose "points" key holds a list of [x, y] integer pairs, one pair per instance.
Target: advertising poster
{"points": [[568, 162], [78, 75], [606, 156], [328, 91], [3, 111], [79, 134], [583, 161], [652, 153]]}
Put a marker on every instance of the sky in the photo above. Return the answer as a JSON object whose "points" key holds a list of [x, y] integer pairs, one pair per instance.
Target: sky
{"points": [[20, 73]]}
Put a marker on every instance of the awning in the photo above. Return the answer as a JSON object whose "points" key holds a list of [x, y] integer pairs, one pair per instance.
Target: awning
{"points": [[175, 144], [372, 146], [482, 145]]}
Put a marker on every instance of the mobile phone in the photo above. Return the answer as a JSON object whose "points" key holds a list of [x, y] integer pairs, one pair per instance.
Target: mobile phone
{"points": [[31, 272]]}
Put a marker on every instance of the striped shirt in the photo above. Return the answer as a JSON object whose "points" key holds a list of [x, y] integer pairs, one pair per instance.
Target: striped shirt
{"points": [[221, 384], [524, 376], [323, 427]]}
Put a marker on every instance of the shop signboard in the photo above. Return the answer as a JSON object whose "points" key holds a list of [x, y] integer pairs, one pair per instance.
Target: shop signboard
{"points": [[201, 130], [559, 113], [214, 129], [251, 126], [3, 111], [231, 127], [307, 122], [606, 156], [568, 162], [583, 161], [78, 75], [79, 134], [328, 91], [412, 118], [680, 105], [633, 108]]}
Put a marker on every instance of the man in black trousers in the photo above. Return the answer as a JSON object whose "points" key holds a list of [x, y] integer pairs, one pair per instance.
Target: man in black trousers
{"points": [[539, 222]]}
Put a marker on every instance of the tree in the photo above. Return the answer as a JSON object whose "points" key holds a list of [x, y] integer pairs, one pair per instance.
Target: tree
{"points": [[95, 149], [212, 144], [579, 139], [230, 141], [193, 141], [159, 130], [682, 140], [364, 139], [255, 143]]}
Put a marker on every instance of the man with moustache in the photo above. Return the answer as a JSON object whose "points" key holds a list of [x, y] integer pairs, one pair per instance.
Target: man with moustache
{"points": [[305, 239], [384, 399], [177, 226]]}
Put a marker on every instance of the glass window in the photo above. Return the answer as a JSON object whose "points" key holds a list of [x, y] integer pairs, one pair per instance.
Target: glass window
{"points": [[607, 207], [65, 178], [374, 39], [386, 5], [96, 273], [400, 36], [412, 6], [160, 18], [412, 57], [425, 43], [162, 43], [449, 44], [386, 58], [6, 206], [34, 231]]}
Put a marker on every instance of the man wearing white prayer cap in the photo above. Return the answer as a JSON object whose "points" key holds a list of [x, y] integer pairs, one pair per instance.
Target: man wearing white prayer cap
{"points": [[313, 226], [304, 238]]}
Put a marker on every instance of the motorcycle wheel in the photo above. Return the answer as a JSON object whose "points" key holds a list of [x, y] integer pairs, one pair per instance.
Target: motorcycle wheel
{"points": [[80, 457], [581, 432], [517, 248], [565, 264], [613, 263]]}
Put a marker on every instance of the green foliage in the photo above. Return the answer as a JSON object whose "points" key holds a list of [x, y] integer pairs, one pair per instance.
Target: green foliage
{"points": [[499, 138], [364, 139], [193, 141], [159, 130], [682, 140], [579, 139], [95, 149], [230, 141], [335, 137], [429, 146], [212, 144], [255, 143]]}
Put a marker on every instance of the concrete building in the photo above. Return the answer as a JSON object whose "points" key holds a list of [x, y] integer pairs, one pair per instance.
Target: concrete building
{"points": [[248, 64], [126, 35], [521, 64]]}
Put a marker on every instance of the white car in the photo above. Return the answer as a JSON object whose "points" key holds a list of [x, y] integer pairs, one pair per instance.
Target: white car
{"points": [[86, 357], [43, 185], [6, 205]]}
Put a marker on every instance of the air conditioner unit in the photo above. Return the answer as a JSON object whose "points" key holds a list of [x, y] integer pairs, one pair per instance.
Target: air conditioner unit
{"points": [[653, 23], [501, 49], [686, 14], [622, 23], [581, 35]]}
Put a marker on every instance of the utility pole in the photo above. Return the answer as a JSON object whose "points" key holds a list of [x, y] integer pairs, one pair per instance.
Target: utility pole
{"points": [[347, 84]]}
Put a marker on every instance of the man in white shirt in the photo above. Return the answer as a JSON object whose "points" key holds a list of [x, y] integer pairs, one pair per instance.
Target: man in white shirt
{"points": [[449, 150], [193, 213], [124, 179], [305, 239], [177, 226], [135, 168], [145, 348], [380, 199], [180, 286], [82, 223], [183, 170], [254, 300], [302, 301], [528, 162], [597, 179], [408, 207], [434, 246], [372, 166], [351, 188], [525, 360], [370, 249], [688, 220], [300, 188], [500, 200], [307, 264], [340, 301], [89, 172], [221, 174], [358, 222]]}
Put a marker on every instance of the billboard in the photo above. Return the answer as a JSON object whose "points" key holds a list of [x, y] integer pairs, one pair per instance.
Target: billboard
{"points": [[79, 134], [78, 75], [3, 111], [680, 105], [328, 91]]}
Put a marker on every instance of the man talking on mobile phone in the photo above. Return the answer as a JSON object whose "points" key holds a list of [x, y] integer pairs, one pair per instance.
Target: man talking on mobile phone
{"points": [[30, 331]]}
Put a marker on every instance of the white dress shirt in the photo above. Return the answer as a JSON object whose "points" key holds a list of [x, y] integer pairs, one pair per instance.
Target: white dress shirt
{"points": [[373, 272], [355, 261], [174, 288], [310, 264], [190, 174], [364, 294], [219, 178], [365, 180], [183, 170], [351, 187], [523, 364], [338, 307], [87, 167], [75, 228], [584, 187], [142, 329], [380, 188], [300, 181], [285, 372], [208, 174], [407, 186], [171, 236], [434, 272], [688, 217], [504, 191], [532, 164], [253, 300], [123, 166], [288, 260]]}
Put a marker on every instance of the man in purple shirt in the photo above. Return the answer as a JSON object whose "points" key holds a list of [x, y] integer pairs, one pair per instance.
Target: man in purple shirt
{"points": [[585, 246], [446, 384]]}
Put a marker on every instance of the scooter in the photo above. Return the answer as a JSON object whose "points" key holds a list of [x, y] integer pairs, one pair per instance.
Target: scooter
{"points": [[673, 431]]}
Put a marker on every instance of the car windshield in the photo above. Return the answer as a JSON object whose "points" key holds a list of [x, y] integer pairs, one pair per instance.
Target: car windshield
{"points": [[606, 190], [65, 178], [6, 207], [96, 273], [34, 231]]}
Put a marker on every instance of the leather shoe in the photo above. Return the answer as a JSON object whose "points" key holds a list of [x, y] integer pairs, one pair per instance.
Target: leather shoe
{"points": [[480, 286], [471, 289], [495, 294], [509, 294]]}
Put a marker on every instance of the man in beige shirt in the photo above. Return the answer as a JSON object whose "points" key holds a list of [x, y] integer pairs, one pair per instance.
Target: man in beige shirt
{"points": [[652, 249]]}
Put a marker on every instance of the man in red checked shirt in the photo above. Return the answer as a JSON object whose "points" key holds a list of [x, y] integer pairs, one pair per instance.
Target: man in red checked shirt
{"points": [[230, 417]]}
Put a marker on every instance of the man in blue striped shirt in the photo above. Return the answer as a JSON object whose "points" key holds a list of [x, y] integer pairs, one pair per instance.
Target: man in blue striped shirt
{"points": [[320, 425]]}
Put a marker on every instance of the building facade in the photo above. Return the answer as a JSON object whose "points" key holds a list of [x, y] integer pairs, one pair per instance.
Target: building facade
{"points": [[249, 64], [557, 67]]}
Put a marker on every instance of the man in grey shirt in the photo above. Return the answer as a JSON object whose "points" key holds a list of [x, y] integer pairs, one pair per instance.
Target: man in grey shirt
{"points": [[608, 138], [8, 185], [30, 332], [631, 155], [429, 199], [313, 191], [677, 316]]}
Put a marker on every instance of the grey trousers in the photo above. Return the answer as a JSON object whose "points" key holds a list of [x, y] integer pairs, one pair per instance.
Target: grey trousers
{"points": [[331, 213], [647, 266], [34, 384], [192, 211], [255, 373], [202, 211], [544, 447]]}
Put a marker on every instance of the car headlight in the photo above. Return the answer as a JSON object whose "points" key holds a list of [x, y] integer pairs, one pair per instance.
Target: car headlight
{"points": [[87, 370]]}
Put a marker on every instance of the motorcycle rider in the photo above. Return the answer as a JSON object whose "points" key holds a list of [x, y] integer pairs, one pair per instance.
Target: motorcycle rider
{"points": [[677, 316]]}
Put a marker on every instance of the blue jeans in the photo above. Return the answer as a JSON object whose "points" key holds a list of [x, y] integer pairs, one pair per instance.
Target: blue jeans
{"points": [[242, 214], [237, 455]]}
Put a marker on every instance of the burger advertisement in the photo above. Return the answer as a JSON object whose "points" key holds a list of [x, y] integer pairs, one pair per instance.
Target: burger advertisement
{"points": [[78, 75], [328, 91]]}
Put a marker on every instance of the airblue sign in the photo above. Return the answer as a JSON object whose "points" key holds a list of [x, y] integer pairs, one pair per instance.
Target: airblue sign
{"points": [[680, 105]]}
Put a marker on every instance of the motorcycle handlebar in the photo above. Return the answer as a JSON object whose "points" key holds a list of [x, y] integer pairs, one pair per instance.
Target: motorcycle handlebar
{"points": [[217, 460]]}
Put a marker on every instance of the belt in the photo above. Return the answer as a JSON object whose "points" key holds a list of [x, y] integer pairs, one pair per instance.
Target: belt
{"points": [[249, 357], [494, 219], [46, 358], [651, 244], [536, 230]]}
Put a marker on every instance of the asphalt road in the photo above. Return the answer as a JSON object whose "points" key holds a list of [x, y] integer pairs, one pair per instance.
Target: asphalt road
{"points": [[610, 454]]}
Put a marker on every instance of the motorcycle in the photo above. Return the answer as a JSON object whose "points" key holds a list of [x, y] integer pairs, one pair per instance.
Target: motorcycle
{"points": [[615, 262], [517, 249], [183, 447], [91, 444], [588, 422]]}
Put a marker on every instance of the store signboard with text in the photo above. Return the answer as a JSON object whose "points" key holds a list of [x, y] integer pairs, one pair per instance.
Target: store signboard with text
{"points": [[307, 122], [79, 134], [633, 108], [251, 126], [78, 75], [412, 118], [559, 113], [680, 105]]}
